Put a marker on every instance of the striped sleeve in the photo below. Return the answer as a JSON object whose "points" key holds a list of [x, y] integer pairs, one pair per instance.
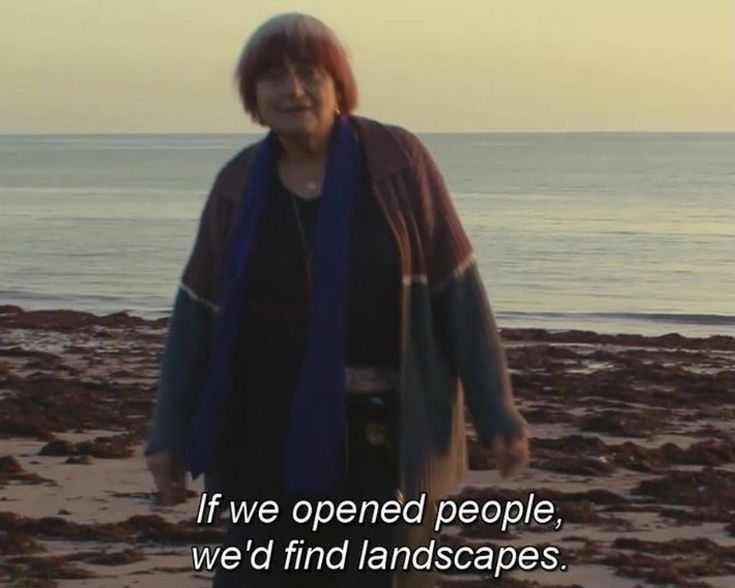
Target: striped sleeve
{"points": [[185, 360], [203, 271], [462, 314], [183, 374], [471, 340], [446, 247]]}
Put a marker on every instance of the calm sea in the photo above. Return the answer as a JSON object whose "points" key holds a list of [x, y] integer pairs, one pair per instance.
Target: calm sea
{"points": [[614, 232]]}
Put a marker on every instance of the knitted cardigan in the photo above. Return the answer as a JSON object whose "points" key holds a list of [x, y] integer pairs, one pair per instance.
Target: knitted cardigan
{"points": [[451, 351]]}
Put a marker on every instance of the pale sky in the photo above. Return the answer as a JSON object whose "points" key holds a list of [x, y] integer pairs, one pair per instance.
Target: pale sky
{"points": [[86, 66]]}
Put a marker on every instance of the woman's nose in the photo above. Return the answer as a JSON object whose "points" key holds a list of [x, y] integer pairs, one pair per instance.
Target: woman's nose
{"points": [[294, 85]]}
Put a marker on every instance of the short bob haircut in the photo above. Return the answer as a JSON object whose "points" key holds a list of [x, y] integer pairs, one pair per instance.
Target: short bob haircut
{"points": [[300, 38]]}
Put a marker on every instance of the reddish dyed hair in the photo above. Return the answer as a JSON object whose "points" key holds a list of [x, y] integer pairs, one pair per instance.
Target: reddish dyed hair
{"points": [[298, 37]]}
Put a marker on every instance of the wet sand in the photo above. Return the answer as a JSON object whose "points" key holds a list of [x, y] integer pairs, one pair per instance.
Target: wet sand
{"points": [[633, 441]]}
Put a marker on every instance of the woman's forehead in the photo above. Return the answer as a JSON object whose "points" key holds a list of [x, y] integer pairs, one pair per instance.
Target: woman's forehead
{"points": [[284, 60], [280, 49]]}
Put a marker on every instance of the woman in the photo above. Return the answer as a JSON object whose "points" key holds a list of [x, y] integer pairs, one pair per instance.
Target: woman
{"points": [[331, 318]]}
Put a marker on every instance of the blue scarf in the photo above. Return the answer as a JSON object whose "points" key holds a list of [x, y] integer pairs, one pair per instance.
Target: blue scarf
{"points": [[315, 439]]}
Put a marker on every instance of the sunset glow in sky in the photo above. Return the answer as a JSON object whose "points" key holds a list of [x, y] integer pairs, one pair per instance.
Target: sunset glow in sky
{"points": [[76, 66]]}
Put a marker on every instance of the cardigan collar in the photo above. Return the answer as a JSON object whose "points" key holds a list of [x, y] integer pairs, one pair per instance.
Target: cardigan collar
{"points": [[384, 154]]}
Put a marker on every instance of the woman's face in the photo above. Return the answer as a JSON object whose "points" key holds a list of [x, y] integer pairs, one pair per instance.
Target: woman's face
{"points": [[297, 100]]}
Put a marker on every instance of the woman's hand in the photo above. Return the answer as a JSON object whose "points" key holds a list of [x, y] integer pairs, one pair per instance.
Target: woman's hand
{"points": [[511, 452], [169, 474]]}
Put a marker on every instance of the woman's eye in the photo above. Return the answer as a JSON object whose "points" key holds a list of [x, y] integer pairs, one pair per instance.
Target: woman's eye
{"points": [[308, 72], [272, 73]]}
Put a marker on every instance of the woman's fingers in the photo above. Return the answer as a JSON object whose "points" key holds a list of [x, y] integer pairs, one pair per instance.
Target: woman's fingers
{"points": [[169, 475], [511, 452], [160, 467], [178, 482]]}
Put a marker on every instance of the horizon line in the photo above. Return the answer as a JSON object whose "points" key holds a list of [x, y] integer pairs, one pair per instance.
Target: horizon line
{"points": [[235, 133]]}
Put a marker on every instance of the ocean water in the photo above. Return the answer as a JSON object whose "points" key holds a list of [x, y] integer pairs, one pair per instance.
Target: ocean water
{"points": [[613, 232]]}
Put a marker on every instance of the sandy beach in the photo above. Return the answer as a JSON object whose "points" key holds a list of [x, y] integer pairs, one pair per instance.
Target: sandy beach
{"points": [[633, 441]]}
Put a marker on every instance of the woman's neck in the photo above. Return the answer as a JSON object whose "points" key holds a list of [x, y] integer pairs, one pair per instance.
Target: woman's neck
{"points": [[302, 167], [304, 152]]}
